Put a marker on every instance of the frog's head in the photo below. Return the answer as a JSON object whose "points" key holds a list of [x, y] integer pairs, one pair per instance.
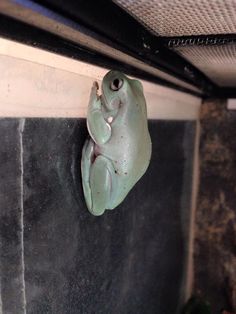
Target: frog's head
{"points": [[118, 90]]}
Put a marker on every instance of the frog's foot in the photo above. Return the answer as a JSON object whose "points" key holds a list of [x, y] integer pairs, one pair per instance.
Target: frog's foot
{"points": [[102, 183], [86, 162], [94, 94]]}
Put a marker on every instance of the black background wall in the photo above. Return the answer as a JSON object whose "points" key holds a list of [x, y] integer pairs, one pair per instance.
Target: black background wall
{"points": [[57, 258]]}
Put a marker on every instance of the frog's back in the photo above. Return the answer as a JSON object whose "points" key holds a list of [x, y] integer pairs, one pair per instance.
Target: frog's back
{"points": [[129, 149], [130, 142], [130, 166]]}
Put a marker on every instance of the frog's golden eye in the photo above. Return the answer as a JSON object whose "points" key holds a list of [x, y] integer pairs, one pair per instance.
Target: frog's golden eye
{"points": [[116, 84]]}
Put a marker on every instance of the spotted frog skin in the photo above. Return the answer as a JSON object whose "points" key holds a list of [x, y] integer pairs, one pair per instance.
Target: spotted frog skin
{"points": [[118, 151]]}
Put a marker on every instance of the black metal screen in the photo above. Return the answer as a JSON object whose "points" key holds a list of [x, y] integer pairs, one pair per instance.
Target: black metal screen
{"points": [[218, 62], [201, 31], [188, 45]]}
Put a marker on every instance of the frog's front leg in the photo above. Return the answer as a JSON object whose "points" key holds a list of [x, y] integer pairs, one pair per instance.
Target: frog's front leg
{"points": [[99, 129], [102, 184]]}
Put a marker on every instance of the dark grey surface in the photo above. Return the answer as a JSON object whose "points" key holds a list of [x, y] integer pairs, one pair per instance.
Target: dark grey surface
{"points": [[131, 259], [11, 270]]}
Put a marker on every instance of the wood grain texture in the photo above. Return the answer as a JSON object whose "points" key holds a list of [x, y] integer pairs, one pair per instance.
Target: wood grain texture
{"points": [[36, 83]]}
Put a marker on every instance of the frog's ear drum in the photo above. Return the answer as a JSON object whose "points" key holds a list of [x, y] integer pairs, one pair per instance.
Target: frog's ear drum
{"points": [[137, 85]]}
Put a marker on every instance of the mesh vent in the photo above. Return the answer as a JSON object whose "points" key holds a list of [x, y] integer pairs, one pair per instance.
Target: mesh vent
{"points": [[217, 62], [183, 17]]}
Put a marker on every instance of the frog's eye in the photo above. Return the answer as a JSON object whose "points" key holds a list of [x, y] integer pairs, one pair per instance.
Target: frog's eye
{"points": [[116, 84]]}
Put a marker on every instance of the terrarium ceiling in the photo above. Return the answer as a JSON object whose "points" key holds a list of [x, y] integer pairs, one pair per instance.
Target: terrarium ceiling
{"points": [[201, 31], [188, 45]]}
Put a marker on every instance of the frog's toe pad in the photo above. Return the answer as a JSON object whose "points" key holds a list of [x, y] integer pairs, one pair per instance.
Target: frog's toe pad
{"points": [[97, 211]]}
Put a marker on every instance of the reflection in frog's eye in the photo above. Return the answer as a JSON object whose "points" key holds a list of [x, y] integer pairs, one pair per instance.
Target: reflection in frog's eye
{"points": [[116, 84]]}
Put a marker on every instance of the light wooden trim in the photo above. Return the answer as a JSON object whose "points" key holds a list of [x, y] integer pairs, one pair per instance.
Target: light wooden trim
{"points": [[231, 104], [195, 186], [37, 83]]}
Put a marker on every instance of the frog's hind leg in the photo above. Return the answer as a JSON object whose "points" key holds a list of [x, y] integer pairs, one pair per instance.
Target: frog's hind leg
{"points": [[86, 163], [102, 181]]}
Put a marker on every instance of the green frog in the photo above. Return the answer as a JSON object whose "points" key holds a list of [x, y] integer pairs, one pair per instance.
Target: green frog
{"points": [[118, 150]]}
